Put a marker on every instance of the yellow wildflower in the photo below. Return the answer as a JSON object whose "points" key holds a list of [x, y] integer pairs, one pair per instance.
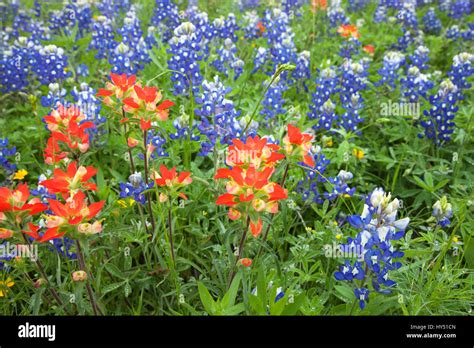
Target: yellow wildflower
{"points": [[4, 285], [20, 175]]}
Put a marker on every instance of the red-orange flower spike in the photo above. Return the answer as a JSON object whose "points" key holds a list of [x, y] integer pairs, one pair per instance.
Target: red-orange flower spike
{"points": [[147, 99], [172, 181], [120, 86], [299, 144], [16, 201], [71, 181], [74, 212], [347, 30], [50, 234], [255, 151], [256, 228], [370, 49], [246, 262], [67, 126]]}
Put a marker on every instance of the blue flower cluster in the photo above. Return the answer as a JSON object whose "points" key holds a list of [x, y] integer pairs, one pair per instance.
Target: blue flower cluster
{"points": [[415, 85], [103, 35], [438, 122], [218, 117], [431, 23], [5, 152], [273, 101], [373, 246], [420, 57], [227, 58], [339, 186], [353, 81], [442, 211], [166, 18], [322, 108], [130, 55], [186, 52], [134, 188], [392, 62]]}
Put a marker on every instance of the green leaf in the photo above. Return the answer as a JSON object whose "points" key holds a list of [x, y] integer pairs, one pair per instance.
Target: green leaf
{"points": [[229, 298], [114, 270], [112, 287], [206, 299], [346, 292], [234, 310]]}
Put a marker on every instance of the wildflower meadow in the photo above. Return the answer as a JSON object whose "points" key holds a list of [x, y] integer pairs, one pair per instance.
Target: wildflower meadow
{"points": [[294, 158]]}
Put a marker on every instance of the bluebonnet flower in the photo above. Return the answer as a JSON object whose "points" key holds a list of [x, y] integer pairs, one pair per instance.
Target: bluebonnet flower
{"points": [[362, 295], [415, 85], [350, 47], [420, 57], [64, 246], [337, 15], [82, 70], [353, 81], [51, 65], [438, 122], [227, 58], [278, 295], [308, 188], [42, 192], [273, 101], [113, 6], [461, 69], [204, 30], [261, 58], [407, 16], [85, 98], [218, 117], [453, 32], [250, 25], [130, 55], [302, 70], [56, 95], [150, 39], [357, 5], [443, 211], [326, 86], [4, 257], [443, 5], [392, 61], [432, 24], [16, 63], [5, 152], [185, 50], [459, 9], [404, 41], [468, 34], [182, 130], [166, 18], [157, 142], [439, 119], [339, 186], [245, 4], [226, 28], [378, 227], [102, 37], [380, 14], [134, 188]]}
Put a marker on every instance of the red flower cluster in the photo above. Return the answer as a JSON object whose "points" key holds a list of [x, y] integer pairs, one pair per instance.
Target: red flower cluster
{"points": [[67, 126], [15, 207], [171, 181], [142, 102], [298, 145], [249, 189]]}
